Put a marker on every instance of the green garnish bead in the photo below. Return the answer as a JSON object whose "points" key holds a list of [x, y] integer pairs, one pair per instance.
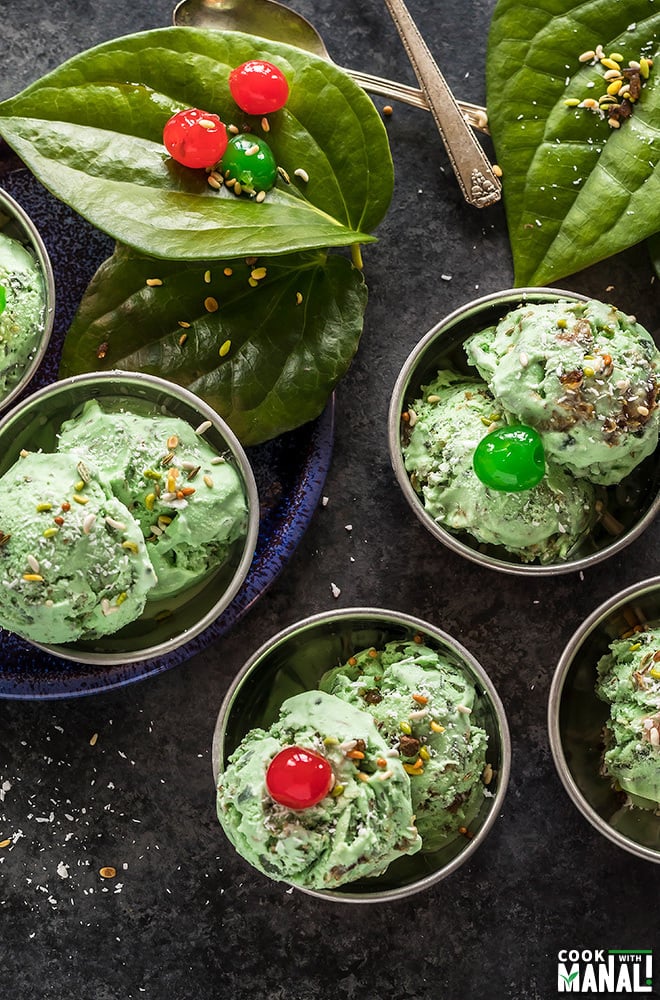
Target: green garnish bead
{"points": [[510, 459], [249, 160]]}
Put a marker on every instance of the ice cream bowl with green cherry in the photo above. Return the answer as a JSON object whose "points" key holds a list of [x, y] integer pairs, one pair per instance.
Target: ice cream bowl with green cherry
{"points": [[360, 755], [27, 299], [523, 430], [128, 517], [604, 719]]}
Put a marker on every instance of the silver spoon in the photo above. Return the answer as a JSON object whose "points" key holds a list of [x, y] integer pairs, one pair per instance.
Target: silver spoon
{"points": [[473, 170], [270, 19]]}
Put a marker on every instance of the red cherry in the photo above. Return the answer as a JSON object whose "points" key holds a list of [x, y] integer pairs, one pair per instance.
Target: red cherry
{"points": [[298, 778], [195, 138], [258, 87]]}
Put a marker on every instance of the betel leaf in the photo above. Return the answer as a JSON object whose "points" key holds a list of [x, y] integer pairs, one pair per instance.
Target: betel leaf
{"points": [[575, 190], [266, 359], [91, 131]]}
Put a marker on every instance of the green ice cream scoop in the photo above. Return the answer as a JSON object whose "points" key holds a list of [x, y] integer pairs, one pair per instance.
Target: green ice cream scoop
{"points": [[445, 428], [584, 375], [73, 562], [188, 500], [22, 316], [425, 707], [363, 823], [629, 681]]}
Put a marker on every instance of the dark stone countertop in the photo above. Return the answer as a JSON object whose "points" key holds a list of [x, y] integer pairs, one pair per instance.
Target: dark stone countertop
{"points": [[185, 917]]}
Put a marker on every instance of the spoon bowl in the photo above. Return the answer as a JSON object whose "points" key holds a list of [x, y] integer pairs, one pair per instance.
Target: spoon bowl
{"points": [[266, 18]]}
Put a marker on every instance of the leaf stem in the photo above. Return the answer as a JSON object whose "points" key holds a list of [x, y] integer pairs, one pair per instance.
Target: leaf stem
{"points": [[356, 255]]}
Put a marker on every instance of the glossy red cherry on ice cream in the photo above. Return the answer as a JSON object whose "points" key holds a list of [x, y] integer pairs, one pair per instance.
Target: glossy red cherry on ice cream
{"points": [[258, 87], [195, 138], [298, 778]]}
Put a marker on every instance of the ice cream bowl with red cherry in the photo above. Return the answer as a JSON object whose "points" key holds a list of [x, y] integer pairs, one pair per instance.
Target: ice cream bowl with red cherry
{"points": [[523, 431], [360, 755]]}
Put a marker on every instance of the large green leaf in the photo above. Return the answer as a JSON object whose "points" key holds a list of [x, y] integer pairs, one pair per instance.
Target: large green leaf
{"points": [[288, 340], [575, 190], [91, 131]]}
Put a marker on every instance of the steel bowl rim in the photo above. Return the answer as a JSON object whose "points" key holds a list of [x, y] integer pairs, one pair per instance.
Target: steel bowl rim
{"points": [[44, 261], [396, 459], [471, 663], [580, 635]]}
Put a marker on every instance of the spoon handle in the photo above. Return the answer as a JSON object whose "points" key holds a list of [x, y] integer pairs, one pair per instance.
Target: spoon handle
{"points": [[474, 114], [473, 171]]}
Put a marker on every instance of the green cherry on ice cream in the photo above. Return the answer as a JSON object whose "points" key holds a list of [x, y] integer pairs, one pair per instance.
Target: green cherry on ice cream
{"points": [[510, 459]]}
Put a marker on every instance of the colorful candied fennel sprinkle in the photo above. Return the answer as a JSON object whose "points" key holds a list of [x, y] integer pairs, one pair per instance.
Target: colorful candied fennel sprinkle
{"points": [[408, 688], [152, 465], [623, 85]]}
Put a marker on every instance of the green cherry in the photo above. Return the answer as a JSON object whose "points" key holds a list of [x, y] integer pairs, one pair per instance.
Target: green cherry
{"points": [[249, 160], [510, 459], [3, 298]]}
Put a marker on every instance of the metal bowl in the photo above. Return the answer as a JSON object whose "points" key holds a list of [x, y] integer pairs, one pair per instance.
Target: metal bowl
{"points": [[168, 623], [576, 717], [633, 503], [16, 224], [294, 661]]}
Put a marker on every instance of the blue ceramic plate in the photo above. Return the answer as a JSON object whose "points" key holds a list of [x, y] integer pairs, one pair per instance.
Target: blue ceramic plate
{"points": [[290, 471]]}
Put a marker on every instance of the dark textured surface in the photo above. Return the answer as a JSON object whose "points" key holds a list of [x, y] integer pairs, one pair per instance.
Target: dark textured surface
{"points": [[186, 918]]}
